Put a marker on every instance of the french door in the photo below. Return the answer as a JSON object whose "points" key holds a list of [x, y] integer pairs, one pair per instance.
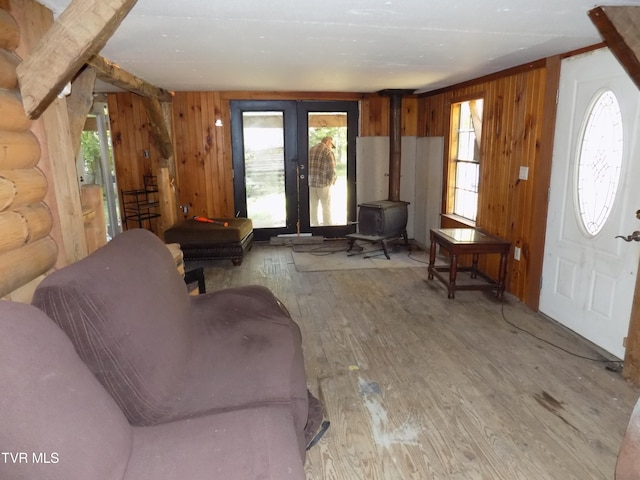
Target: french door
{"points": [[271, 142]]}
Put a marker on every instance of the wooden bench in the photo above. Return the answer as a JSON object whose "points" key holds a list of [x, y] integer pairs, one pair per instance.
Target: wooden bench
{"points": [[213, 241]]}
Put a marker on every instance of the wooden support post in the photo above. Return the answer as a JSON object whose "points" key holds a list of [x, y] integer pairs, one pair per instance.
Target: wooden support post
{"points": [[64, 180], [80, 32], [94, 219], [168, 203], [169, 161], [160, 131], [79, 105], [159, 116]]}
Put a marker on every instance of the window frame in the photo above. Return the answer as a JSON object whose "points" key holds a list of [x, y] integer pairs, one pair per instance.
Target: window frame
{"points": [[453, 161]]}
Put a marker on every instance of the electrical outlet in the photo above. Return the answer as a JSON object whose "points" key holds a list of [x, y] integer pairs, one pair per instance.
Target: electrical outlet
{"points": [[516, 253]]}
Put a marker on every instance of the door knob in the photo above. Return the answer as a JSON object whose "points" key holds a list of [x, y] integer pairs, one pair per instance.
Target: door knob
{"points": [[635, 236]]}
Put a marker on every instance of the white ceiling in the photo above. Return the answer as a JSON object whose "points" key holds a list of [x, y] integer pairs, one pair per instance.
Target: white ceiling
{"points": [[340, 45]]}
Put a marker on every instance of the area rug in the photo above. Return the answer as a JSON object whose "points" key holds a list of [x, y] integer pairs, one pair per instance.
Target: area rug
{"points": [[333, 255]]}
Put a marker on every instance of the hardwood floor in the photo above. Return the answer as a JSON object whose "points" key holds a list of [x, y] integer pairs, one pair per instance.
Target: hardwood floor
{"points": [[417, 386]]}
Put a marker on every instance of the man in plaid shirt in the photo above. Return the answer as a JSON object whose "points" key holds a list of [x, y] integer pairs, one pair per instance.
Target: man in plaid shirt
{"points": [[322, 176]]}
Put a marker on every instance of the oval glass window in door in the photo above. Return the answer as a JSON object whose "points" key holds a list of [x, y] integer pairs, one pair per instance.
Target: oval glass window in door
{"points": [[599, 162]]}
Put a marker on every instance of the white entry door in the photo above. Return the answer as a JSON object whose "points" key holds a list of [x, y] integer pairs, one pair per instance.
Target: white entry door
{"points": [[589, 276]]}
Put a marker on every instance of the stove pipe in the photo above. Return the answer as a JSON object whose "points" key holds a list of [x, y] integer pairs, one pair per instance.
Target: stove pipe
{"points": [[395, 140]]}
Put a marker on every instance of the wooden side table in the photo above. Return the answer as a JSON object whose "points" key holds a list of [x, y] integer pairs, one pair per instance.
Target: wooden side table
{"points": [[465, 241]]}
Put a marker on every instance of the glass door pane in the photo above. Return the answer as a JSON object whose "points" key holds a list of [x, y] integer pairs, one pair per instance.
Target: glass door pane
{"points": [[334, 124], [327, 136], [263, 134]]}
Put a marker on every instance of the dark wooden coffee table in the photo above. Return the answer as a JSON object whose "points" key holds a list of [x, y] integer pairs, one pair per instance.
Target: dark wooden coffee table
{"points": [[467, 241]]}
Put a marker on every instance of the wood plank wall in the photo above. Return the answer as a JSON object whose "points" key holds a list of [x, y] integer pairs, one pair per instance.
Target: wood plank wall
{"points": [[375, 116], [204, 170], [515, 133], [134, 151], [517, 113]]}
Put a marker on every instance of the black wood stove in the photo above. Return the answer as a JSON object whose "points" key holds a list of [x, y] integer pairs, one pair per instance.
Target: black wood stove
{"points": [[381, 222], [385, 220]]}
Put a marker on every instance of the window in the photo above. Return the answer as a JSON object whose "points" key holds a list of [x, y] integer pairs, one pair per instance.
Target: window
{"points": [[599, 162], [464, 158]]}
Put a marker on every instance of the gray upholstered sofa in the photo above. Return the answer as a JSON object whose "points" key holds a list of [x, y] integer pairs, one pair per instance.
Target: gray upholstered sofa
{"points": [[59, 423], [211, 386]]}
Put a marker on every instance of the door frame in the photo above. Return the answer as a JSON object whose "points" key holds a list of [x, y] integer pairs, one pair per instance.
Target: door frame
{"points": [[237, 107], [352, 109]]}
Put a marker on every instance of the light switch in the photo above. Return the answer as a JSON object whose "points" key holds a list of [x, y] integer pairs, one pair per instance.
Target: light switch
{"points": [[524, 173]]}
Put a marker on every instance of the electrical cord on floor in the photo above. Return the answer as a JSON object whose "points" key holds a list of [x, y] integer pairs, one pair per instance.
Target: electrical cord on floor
{"points": [[322, 250], [415, 259], [359, 250], [599, 360]]}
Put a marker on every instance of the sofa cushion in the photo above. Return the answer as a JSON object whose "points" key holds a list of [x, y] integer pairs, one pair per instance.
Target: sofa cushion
{"points": [[245, 333], [56, 419], [249, 444], [126, 309]]}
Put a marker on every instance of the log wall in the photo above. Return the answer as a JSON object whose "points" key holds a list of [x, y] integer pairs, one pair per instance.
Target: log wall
{"points": [[26, 249], [519, 108]]}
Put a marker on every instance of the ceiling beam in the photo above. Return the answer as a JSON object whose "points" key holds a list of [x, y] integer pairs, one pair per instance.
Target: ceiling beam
{"points": [[80, 32], [619, 27], [111, 73]]}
